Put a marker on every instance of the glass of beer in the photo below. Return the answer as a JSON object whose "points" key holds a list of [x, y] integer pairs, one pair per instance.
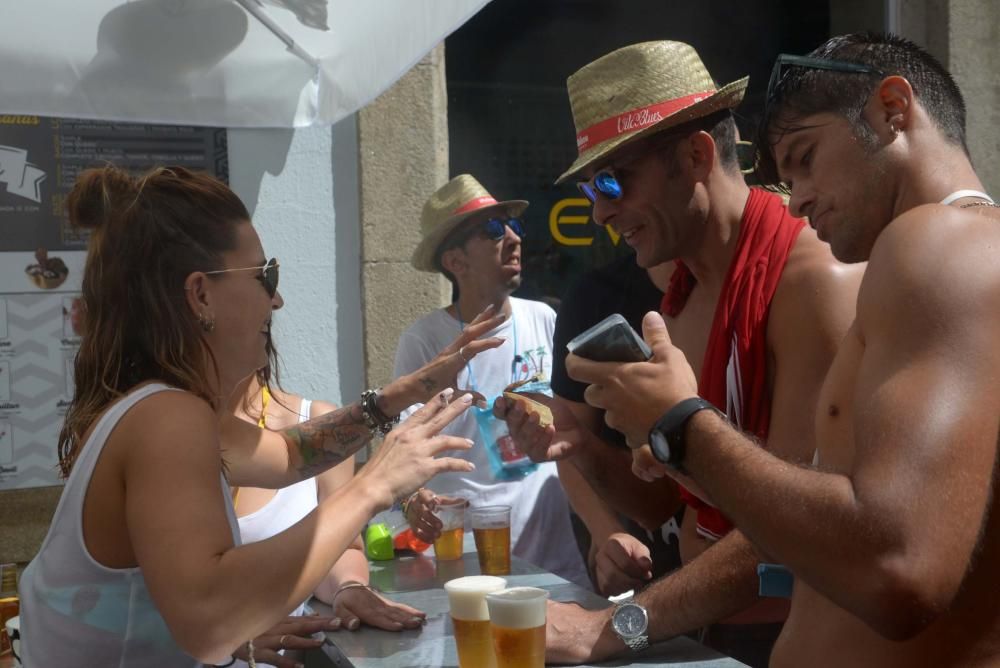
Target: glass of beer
{"points": [[451, 512], [491, 529], [517, 619], [471, 619]]}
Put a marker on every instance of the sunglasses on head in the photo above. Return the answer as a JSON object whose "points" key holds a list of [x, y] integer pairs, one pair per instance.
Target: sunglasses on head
{"points": [[268, 274], [785, 61]]}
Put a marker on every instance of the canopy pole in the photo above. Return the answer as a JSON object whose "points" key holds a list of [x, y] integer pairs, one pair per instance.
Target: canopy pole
{"points": [[253, 7]]}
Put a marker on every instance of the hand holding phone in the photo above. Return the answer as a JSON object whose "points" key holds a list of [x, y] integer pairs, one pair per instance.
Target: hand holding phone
{"points": [[610, 340]]}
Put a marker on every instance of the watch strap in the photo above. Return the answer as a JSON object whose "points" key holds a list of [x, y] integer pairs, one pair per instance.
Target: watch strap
{"points": [[672, 425]]}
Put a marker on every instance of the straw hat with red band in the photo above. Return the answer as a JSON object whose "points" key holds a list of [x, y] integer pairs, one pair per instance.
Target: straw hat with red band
{"points": [[639, 90], [454, 203]]}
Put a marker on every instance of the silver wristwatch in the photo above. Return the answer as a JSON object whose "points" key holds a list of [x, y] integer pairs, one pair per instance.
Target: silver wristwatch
{"points": [[629, 622]]}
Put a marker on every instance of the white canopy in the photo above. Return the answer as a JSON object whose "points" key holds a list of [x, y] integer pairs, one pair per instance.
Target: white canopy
{"points": [[224, 63]]}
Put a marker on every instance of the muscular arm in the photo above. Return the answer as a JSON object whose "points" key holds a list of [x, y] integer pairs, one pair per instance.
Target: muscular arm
{"points": [[925, 431], [810, 314], [608, 472]]}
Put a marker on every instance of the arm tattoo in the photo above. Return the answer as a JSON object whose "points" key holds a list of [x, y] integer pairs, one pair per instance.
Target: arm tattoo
{"points": [[428, 383], [328, 440]]}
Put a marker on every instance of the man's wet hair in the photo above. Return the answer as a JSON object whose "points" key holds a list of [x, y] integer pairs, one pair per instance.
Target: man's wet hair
{"points": [[721, 125], [804, 91]]}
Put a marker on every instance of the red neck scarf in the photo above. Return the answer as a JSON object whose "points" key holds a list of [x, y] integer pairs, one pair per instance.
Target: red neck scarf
{"points": [[734, 371]]}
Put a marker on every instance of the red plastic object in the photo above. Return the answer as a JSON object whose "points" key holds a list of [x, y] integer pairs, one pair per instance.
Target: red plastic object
{"points": [[407, 541]]}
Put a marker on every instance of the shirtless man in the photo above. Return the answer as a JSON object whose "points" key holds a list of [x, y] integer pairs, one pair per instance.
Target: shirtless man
{"points": [[674, 191], [893, 534]]}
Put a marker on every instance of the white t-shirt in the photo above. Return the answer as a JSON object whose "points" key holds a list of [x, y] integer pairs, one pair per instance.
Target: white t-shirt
{"points": [[540, 526]]}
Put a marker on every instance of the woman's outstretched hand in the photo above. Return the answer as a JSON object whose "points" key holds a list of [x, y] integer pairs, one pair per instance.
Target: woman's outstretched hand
{"points": [[408, 458]]}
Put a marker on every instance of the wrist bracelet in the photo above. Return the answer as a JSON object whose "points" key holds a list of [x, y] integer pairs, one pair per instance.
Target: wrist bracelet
{"points": [[351, 584], [373, 416], [250, 660]]}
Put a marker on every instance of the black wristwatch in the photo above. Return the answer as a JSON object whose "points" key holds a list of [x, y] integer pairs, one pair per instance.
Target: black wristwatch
{"points": [[666, 438]]}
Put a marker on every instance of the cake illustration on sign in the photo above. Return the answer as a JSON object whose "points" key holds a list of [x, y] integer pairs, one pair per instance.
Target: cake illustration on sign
{"points": [[49, 272]]}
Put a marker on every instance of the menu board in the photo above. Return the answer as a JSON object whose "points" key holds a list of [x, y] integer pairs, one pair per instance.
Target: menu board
{"points": [[42, 259]]}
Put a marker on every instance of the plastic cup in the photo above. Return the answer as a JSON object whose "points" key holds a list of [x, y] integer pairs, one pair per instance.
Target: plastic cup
{"points": [[517, 620], [452, 515], [491, 529], [471, 619]]}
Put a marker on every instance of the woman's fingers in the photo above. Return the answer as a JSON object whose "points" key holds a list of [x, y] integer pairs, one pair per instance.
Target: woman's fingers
{"points": [[452, 465], [433, 422], [441, 443]]}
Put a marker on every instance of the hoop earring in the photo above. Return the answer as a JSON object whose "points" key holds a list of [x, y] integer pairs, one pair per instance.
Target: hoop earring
{"points": [[207, 325]]}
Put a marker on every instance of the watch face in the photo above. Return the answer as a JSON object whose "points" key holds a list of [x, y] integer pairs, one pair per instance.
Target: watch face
{"points": [[660, 446], [629, 620]]}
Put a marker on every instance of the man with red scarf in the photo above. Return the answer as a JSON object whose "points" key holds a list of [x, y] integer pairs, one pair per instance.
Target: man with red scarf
{"points": [[757, 304]]}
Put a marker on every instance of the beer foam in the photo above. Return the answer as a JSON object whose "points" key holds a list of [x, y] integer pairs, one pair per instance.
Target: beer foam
{"points": [[465, 596], [518, 607]]}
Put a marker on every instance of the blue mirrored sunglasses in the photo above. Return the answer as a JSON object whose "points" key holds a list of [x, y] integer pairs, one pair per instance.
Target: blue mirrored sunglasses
{"points": [[495, 228], [603, 182]]}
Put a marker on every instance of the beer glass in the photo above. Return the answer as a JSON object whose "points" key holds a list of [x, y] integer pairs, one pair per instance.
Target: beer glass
{"points": [[517, 619], [471, 619], [491, 529], [451, 512]]}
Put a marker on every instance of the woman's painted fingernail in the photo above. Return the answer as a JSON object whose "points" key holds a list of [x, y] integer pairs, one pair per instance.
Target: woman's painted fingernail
{"points": [[466, 398]]}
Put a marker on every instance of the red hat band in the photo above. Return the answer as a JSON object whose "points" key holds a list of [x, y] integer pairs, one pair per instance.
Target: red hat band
{"points": [[477, 203]]}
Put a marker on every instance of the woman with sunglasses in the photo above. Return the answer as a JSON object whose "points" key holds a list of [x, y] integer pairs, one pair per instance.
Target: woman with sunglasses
{"points": [[177, 309]]}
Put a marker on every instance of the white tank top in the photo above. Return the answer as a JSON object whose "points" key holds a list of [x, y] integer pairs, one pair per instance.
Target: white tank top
{"points": [[76, 612], [288, 506]]}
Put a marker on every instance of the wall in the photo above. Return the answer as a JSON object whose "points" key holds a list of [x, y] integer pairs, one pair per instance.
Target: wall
{"points": [[403, 137], [301, 187], [965, 36]]}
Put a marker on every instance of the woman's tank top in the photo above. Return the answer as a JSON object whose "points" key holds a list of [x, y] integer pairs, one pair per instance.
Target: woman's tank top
{"points": [[76, 612], [288, 506]]}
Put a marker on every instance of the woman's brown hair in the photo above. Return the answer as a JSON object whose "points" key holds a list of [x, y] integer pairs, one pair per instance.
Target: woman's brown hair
{"points": [[148, 235]]}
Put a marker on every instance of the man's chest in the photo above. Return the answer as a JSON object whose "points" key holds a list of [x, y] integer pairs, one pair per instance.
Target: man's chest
{"points": [[690, 329]]}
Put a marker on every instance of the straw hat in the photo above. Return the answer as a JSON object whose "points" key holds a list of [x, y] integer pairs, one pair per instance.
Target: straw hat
{"points": [[638, 90], [455, 202]]}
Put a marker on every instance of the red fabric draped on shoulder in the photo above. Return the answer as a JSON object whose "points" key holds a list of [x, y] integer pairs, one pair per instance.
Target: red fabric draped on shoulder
{"points": [[734, 372]]}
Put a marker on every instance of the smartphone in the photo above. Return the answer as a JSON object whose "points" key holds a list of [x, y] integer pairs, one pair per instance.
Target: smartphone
{"points": [[610, 340]]}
